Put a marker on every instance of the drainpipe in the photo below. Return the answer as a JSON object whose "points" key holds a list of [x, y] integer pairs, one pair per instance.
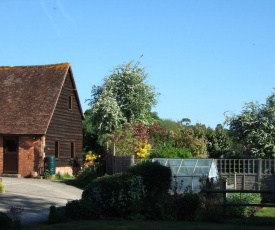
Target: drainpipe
{"points": [[42, 153]]}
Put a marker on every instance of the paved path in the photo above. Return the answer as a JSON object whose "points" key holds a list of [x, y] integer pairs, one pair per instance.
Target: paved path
{"points": [[36, 196]]}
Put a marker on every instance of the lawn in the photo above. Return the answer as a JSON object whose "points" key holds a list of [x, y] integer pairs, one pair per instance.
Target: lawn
{"points": [[265, 216], [144, 225]]}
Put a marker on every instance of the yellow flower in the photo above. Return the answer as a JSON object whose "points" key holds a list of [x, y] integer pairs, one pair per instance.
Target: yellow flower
{"points": [[142, 149]]}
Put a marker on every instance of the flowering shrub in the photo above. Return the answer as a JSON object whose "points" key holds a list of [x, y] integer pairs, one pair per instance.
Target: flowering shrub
{"points": [[93, 165], [142, 149], [90, 159]]}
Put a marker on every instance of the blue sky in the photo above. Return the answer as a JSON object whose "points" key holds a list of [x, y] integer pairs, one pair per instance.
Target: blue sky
{"points": [[205, 57]]}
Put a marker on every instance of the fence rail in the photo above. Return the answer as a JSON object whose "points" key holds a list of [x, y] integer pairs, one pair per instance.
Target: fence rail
{"points": [[225, 204]]}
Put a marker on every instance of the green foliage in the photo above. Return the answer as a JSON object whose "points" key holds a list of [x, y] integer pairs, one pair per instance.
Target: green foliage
{"points": [[245, 198], [81, 210], [117, 195], [169, 151], [2, 187], [185, 206], [159, 135], [156, 177], [122, 141], [157, 180], [5, 221], [47, 175], [169, 124], [218, 141], [63, 177], [124, 97], [85, 176], [190, 205], [254, 128], [170, 207], [190, 138], [16, 215], [211, 210], [90, 138], [56, 215]]}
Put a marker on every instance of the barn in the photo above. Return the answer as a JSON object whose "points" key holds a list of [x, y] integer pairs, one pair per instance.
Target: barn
{"points": [[40, 116]]}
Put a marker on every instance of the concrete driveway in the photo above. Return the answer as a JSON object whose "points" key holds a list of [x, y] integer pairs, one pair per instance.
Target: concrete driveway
{"points": [[36, 196]]}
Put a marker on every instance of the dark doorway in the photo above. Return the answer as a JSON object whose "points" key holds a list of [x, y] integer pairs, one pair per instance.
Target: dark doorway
{"points": [[10, 155]]}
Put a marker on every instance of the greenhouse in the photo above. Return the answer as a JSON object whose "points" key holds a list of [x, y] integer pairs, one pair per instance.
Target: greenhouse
{"points": [[187, 172]]}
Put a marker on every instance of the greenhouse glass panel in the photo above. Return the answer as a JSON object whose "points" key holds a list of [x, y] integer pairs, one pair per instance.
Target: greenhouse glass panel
{"points": [[204, 162], [196, 184], [201, 170], [174, 170], [187, 172], [188, 163], [162, 161], [174, 162]]}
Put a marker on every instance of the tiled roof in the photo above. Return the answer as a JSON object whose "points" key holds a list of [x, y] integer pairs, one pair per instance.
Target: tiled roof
{"points": [[28, 97]]}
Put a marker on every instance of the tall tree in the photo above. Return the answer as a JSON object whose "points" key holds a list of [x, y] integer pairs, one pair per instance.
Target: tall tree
{"points": [[124, 97], [254, 128]]}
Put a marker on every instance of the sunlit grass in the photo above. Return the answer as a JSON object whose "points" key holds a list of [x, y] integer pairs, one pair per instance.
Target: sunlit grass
{"points": [[266, 212]]}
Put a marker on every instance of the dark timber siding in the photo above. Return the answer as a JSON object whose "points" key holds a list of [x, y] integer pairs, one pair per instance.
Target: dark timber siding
{"points": [[65, 126]]}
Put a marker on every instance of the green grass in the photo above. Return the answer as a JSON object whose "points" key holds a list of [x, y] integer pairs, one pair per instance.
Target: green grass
{"points": [[62, 177], [266, 212], [263, 217], [144, 225]]}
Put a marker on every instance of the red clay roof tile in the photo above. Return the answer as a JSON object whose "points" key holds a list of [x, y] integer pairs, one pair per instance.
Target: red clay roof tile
{"points": [[28, 97]]}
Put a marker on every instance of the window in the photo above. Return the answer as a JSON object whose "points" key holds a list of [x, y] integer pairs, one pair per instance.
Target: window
{"points": [[70, 104], [73, 150], [56, 149]]}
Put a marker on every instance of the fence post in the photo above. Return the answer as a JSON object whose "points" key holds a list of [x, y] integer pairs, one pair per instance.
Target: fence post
{"points": [[259, 173], [224, 197]]}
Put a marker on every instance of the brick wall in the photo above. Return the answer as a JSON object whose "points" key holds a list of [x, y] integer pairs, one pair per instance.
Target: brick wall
{"points": [[28, 159], [1, 154]]}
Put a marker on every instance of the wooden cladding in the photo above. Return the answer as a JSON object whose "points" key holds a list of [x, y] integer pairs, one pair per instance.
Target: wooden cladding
{"points": [[72, 150], [66, 127]]}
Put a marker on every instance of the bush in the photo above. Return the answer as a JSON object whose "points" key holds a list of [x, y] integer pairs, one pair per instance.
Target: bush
{"points": [[171, 207], [85, 176], [156, 177], [157, 180], [118, 195], [211, 210], [189, 206], [81, 210], [169, 151], [5, 221], [56, 215], [245, 198], [2, 187], [16, 215]]}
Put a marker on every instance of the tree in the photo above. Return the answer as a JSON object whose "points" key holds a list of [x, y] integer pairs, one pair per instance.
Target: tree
{"points": [[186, 121], [124, 97], [218, 141], [89, 137], [254, 128]]}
